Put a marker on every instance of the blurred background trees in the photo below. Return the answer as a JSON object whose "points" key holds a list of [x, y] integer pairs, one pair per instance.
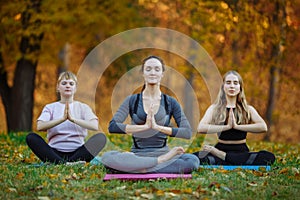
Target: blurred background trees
{"points": [[260, 39]]}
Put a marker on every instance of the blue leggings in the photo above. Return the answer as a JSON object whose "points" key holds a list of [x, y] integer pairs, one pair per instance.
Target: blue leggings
{"points": [[47, 154], [128, 162]]}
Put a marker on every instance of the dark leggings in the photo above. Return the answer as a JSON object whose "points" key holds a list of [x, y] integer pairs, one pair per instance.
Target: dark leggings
{"points": [[47, 154], [236, 154]]}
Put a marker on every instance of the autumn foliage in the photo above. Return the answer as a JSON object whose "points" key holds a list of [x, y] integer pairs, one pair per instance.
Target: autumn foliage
{"points": [[258, 39]]}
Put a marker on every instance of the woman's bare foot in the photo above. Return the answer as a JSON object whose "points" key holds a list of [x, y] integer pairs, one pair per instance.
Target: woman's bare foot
{"points": [[214, 151], [168, 156]]}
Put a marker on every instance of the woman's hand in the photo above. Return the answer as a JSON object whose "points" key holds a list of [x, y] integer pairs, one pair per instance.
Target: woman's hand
{"points": [[68, 113], [231, 119], [153, 122], [149, 119], [155, 126]]}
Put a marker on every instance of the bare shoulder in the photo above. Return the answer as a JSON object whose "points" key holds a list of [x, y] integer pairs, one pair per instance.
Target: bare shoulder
{"points": [[251, 108], [211, 107]]}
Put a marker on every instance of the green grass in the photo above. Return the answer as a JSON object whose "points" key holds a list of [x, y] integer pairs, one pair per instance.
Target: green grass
{"points": [[21, 179]]}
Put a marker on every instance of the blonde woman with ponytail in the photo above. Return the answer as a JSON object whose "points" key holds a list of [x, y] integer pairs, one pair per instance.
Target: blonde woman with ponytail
{"points": [[231, 118]]}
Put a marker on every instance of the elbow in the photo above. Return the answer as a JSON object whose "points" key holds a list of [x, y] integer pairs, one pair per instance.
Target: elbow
{"points": [[94, 128], [264, 127], [93, 125], [189, 134], [111, 128], [201, 129], [184, 133], [116, 128], [40, 127]]}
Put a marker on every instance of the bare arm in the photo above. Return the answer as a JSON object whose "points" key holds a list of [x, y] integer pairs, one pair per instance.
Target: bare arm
{"points": [[164, 129], [45, 125], [205, 125], [117, 124], [88, 124], [136, 128], [257, 126], [150, 123]]}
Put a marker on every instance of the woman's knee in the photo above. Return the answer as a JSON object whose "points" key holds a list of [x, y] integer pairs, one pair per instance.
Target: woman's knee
{"points": [[99, 137], [192, 160], [31, 137], [195, 162], [110, 158], [266, 156]]}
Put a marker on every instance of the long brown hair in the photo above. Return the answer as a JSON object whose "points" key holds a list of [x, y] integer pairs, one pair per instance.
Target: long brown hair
{"points": [[241, 112]]}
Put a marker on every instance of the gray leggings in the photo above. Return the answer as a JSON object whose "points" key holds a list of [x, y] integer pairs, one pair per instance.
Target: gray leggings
{"points": [[129, 162]]}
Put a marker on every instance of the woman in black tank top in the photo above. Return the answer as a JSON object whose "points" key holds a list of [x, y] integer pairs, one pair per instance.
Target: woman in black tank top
{"points": [[231, 117]]}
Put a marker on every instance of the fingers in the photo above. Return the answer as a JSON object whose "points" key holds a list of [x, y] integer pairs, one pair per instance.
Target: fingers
{"points": [[233, 120], [66, 111], [230, 118], [180, 150]]}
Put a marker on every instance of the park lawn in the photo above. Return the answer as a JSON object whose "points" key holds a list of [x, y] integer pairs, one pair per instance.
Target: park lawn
{"points": [[21, 178]]}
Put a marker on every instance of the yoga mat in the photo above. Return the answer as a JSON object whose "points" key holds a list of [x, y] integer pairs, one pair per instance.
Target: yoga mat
{"points": [[144, 176], [232, 167]]}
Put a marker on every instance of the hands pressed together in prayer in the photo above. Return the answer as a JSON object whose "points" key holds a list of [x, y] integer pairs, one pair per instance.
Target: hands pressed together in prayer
{"points": [[231, 120], [67, 113], [150, 122]]}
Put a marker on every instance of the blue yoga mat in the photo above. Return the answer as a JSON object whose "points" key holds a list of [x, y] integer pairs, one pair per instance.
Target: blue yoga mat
{"points": [[232, 167]]}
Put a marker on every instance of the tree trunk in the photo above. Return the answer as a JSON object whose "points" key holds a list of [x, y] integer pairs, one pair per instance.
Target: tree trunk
{"points": [[279, 21], [273, 91], [22, 97], [4, 88], [18, 99]]}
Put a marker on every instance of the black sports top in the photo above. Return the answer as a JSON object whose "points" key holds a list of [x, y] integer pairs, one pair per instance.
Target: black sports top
{"points": [[232, 134]]}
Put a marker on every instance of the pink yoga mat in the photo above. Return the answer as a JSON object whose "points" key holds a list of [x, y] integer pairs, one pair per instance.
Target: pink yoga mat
{"points": [[144, 176]]}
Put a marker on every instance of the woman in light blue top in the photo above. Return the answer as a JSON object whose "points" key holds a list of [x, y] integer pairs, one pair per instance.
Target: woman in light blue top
{"points": [[151, 112]]}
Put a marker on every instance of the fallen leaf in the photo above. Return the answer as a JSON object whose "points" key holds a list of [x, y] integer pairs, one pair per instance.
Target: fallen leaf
{"points": [[20, 175], [283, 171], [43, 198], [160, 192], [188, 190], [170, 194], [64, 181], [175, 191], [257, 173], [253, 184], [214, 184], [12, 189], [147, 196], [121, 187], [52, 176]]}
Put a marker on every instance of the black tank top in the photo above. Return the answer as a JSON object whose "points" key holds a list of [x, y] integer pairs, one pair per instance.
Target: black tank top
{"points": [[232, 134]]}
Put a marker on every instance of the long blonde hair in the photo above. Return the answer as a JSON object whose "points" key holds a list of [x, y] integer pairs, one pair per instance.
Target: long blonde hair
{"points": [[241, 112]]}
